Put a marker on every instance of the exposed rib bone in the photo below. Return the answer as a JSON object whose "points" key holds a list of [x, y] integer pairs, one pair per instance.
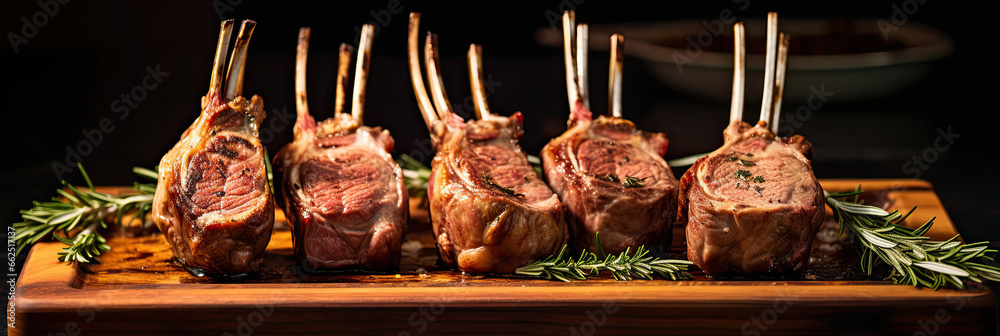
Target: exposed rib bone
{"points": [[301, 54], [343, 71], [779, 84], [767, 101], [416, 77], [569, 52], [615, 75], [582, 35], [476, 81], [739, 71], [439, 95], [237, 64], [361, 72], [215, 86]]}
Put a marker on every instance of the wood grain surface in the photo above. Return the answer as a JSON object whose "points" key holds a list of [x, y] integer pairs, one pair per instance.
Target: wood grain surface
{"points": [[138, 288]]}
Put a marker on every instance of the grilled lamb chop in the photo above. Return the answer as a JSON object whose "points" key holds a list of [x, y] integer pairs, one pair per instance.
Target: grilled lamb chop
{"points": [[343, 194], [490, 210], [213, 203], [753, 206], [609, 174]]}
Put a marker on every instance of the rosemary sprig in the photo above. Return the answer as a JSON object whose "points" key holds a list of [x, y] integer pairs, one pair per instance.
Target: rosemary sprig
{"points": [[536, 163], [622, 266], [75, 216], [415, 175], [915, 259]]}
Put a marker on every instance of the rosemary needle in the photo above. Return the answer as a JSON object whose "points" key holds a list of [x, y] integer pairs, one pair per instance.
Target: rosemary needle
{"points": [[74, 217], [622, 267], [915, 259]]}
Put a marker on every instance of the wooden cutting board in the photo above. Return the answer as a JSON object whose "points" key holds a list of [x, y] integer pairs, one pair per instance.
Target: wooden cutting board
{"points": [[138, 289]]}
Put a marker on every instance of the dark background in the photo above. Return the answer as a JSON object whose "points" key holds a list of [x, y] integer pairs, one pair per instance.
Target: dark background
{"points": [[63, 81]]}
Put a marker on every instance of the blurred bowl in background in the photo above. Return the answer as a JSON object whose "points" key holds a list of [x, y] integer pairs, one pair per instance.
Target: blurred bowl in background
{"points": [[848, 58]]}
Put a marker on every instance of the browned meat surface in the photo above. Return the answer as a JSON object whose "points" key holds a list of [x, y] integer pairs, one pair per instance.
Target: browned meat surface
{"points": [[213, 203], [753, 206], [612, 178], [490, 211], [343, 193], [344, 196]]}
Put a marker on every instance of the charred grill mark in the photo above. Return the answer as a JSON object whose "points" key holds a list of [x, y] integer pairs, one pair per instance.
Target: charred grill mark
{"points": [[218, 155], [509, 191], [229, 153], [221, 168], [192, 185], [221, 148]]}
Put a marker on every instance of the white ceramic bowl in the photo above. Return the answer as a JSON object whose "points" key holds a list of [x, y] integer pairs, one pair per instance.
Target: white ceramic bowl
{"points": [[848, 76]]}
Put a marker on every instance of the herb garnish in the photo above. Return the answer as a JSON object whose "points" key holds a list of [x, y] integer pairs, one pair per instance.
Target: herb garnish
{"points": [[622, 266], [633, 182], [915, 259], [758, 179], [742, 174], [415, 176], [610, 177], [747, 163], [75, 216]]}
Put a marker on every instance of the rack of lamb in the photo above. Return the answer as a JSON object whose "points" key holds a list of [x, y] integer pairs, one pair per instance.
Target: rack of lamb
{"points": [[343, 194], [213, 202], [490, 210], [610, 175], [754, 205]]}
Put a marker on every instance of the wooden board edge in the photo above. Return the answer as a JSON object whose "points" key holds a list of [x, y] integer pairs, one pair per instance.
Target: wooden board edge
{"points": [[46, 284], [875, 184]]}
